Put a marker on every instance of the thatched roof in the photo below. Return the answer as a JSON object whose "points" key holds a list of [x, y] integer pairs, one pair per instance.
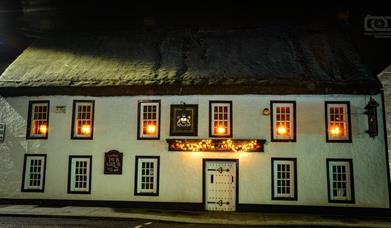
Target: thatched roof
{"points": [[264, 60]]}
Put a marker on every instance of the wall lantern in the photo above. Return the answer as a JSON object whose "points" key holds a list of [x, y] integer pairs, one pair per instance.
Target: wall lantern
{"points": [[371, 111]]}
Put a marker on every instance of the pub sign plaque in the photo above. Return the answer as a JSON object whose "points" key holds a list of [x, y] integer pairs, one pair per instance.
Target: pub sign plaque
{"points": [[113, 162]]}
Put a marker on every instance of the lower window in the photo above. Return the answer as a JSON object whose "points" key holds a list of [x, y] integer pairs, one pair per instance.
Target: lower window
{"points": [[34, 173], [284, 186], [147, 175], [79, 179], [340, 180]]}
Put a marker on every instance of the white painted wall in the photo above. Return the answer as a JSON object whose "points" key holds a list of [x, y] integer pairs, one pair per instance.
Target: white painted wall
{"points": [[181, 172]]}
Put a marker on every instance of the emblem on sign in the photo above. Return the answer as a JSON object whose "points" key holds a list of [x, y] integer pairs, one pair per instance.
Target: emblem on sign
{"points": [[184, 120]]}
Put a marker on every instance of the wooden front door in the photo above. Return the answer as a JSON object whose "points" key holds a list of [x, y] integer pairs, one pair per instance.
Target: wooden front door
{"points": [[220, 181]]}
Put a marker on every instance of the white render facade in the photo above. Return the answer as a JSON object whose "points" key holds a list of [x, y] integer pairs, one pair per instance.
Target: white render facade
{"points": [[181, 173]]}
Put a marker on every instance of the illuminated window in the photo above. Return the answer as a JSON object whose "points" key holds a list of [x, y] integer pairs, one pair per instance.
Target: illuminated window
{"points": [[147, 176], [338, 122], [340, 180], [79, 180], [83, 120], [34, 173], [284, 178], [148, 121], [220, 119], [283, 118], [38, 120]]}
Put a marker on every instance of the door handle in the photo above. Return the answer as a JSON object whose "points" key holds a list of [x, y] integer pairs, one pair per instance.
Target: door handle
{"points": [[211, 179], [232, 178]]}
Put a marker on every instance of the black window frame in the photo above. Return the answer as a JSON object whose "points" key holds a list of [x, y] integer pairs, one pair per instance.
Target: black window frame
{"points": [[295, 197], [211, 118], [69, 191], [294, 121], [29, 119], [23, 188], [352, 195], [73, 133], [348, 122], [139, 113], [136, 193]]}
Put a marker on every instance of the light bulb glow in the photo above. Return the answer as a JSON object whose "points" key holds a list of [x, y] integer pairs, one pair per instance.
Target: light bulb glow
{"points": [[281, 130], [43, 129], [220, 130], [86, 129], [335, 130], [151, 129]]}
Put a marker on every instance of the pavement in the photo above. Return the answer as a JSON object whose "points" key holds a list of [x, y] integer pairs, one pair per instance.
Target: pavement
{"points": [[195, 217]]}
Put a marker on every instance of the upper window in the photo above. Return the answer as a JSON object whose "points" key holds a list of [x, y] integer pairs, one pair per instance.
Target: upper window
{"points": [[79, 179], [284, 179], [340, 180], [149, 120], [220, 119], [83, 120], [147, 175], [338, 122], [283, 121], [38, 120], [34, 173]]}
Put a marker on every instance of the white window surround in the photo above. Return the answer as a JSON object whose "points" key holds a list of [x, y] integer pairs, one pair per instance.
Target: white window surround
{"points": [[284, 178], [80, 174], [147, 176], [220, 118], [283, 117], [34, 173], [340, 180], [83, 117], [149, 116], [338, 121]]}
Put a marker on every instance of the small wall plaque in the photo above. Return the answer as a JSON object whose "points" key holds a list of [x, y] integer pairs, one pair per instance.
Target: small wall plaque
{"points": [[60, 109], [2, 132], [113, 162]]}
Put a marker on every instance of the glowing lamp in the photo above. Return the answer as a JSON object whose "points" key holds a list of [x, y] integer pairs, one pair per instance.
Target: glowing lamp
{"points": [[335, 130], [86, 129], [281, 130], [220, 130], [151, 129], [43, 129]]}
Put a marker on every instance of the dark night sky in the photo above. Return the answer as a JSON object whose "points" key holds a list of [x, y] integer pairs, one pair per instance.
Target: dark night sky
{"points": [[21, 21]]}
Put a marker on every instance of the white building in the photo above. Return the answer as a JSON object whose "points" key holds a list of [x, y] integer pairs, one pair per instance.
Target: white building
{"points": [[217, 120]]}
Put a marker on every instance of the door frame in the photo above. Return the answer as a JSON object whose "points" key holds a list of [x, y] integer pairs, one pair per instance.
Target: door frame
{"points": [[204, 160]]}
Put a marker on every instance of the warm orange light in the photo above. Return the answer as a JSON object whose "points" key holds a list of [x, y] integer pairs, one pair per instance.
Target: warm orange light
{"points": [[335, 130], [151, 129], [220, 130], [281, 130], [43, 129], [86, 129]]}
